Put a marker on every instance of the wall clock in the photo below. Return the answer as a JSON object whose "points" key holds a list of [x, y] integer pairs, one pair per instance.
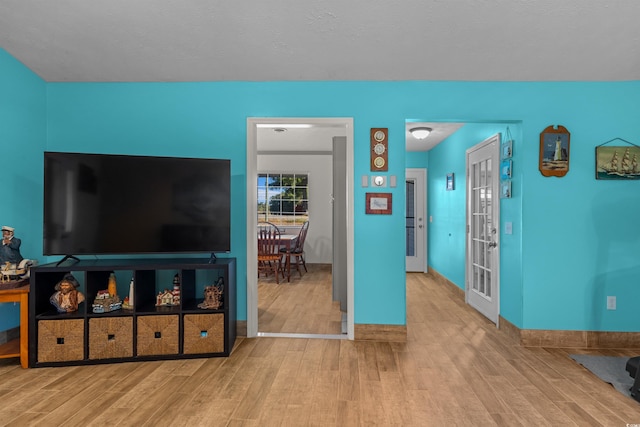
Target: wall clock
{"points": [[379, 149]]}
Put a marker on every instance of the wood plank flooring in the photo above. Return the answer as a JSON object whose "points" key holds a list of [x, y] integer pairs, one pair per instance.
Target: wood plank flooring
{"points": [[455, 369], [301, 306]]}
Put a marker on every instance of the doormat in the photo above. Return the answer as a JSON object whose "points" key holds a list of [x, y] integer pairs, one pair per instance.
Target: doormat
{"points": [[610, 369]]}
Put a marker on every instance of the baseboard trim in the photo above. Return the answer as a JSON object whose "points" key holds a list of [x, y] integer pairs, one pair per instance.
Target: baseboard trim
{"points": [[553, 338], [241, 328], [387, 333]]}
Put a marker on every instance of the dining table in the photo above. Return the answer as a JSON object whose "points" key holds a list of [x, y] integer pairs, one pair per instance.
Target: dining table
{"points": [[288, 241]]}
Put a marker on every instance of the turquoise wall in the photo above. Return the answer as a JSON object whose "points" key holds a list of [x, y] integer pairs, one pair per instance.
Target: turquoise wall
{"points": [[574, 238], [22, 139], [447, 232]]}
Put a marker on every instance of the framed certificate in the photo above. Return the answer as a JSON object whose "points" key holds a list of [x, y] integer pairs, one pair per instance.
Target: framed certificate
{"points": [[378, 203]]}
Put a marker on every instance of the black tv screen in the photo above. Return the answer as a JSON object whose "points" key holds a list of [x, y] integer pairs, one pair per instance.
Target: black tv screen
{"points": [[116, 204]]}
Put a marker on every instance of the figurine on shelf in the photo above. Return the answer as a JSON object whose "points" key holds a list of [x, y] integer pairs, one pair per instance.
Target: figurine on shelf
{"points": [[128, 300], [10, 249], [213, 296], [105, 303], [67, 297], [176, 290], [14, 269], [112, 285], [169, 298]]}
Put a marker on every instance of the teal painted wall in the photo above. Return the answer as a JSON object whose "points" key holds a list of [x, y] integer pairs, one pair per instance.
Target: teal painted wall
{"points": [[576, 237], [447, 232], [22, 138]]}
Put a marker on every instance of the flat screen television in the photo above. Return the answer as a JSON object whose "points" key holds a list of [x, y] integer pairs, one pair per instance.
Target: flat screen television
{"points": [[117, 204]]}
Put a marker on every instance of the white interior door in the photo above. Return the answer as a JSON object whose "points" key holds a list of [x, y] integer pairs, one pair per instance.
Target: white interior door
{"points": [[416, 226], [483, 228]]}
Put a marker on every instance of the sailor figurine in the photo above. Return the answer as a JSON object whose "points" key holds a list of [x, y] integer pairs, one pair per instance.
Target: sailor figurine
{"points": [[10, 249]]}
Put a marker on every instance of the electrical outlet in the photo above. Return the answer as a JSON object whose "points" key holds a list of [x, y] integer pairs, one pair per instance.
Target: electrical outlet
{"points": [[611, 303]]}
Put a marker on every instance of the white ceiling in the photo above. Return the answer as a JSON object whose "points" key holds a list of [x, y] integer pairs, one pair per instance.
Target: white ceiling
{"points": [[293, 40], [257, 40]]}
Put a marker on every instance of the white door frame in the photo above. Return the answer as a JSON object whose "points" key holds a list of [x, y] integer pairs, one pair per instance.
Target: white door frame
{"points": [[252, 222], [418, 263], [490, 308]]}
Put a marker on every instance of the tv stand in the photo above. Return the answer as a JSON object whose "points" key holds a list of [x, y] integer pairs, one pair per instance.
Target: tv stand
{"points": [[66, 257], [148, 330]]}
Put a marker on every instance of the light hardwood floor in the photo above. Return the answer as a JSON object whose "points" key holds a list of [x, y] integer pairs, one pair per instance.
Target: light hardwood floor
{"points": [[301, 306], [455, 369]]}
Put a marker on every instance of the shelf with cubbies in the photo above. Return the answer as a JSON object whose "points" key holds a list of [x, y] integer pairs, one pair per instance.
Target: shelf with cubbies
{"points": [[146, 330]]}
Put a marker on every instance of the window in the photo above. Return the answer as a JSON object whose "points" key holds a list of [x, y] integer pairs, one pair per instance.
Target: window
{"points": [[283, 199]]}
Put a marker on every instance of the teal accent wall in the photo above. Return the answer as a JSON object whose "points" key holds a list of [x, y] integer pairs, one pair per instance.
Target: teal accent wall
{"points": [[574, 241], [447, 232], [22, 139]]}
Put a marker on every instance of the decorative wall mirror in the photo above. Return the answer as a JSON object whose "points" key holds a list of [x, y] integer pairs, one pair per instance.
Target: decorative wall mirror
{"points": [[554, 151]]}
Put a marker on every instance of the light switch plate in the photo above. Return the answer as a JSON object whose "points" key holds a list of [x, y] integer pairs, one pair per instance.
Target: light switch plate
{"points": [[508, 228]]}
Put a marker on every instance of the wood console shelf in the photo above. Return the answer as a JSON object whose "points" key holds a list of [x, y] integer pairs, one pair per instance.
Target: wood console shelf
{"points": [[145, 332]]}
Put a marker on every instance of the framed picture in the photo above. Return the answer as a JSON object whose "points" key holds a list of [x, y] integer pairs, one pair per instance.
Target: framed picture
{"points": [[617, 162], [505, 169], [505, 189], [506, 149], [554, 151], [378, 203], [450, 181]]}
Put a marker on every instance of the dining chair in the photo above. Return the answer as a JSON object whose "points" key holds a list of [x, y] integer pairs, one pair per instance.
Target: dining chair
{"points": [[297, 251], [269, 257]]}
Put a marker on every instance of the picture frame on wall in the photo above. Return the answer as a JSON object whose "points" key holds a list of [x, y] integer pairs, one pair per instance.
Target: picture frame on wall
{"points": [[505, 189], [618, 162], [378, 203], [450, 182], [506, 149], [505, 169], [554, 151]]}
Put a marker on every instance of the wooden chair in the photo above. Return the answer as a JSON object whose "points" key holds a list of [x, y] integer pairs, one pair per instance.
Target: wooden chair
{"points": [[297, 251], [269, 257]]}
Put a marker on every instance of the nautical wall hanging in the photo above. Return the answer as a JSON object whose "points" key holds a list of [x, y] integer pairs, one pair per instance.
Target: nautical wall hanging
{"points": [[554, 151], [617, 162], [506, 165]]}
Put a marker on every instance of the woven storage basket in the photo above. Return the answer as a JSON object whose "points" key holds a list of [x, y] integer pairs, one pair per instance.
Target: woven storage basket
{"points": [[60, 340], [157, 335], [203, 333], [110, 337]]}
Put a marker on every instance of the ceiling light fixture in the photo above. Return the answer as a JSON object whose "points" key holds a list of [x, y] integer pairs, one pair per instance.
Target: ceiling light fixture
{"points": [[420, 132]]}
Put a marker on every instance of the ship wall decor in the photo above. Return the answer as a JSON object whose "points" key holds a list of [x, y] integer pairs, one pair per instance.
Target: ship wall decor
{"points": [[618, 162]]}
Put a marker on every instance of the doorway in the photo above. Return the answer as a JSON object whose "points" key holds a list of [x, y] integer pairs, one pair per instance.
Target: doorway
{"points": [[415, 223], [483, 228], [346, 126]]}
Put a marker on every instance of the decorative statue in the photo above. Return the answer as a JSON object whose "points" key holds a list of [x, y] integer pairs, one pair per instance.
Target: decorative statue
{"points": [[67, 297], [10, 250], [213, 296]]}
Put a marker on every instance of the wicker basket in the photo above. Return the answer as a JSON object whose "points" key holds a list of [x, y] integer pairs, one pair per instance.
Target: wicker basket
{"points": [[157, 335], [203, 333], [60, 340], [110, 337]]}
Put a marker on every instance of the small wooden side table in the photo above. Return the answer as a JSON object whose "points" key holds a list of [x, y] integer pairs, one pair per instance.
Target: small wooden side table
{"points": [[18, 347]]}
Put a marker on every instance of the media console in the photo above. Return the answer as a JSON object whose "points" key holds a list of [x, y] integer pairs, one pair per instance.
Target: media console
{"points": [[146, 331]]}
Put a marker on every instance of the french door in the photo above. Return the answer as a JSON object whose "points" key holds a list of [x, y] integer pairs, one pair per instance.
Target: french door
{"points": [[483, 228]]}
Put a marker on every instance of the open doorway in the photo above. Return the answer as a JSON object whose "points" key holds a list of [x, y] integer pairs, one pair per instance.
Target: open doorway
{"points": [[309, 126]]}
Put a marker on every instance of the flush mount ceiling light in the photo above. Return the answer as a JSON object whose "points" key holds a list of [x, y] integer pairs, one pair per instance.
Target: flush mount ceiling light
{"points": [[420, 132]]}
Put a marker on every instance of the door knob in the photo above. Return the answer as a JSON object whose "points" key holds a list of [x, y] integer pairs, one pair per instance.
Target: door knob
{"points": [[493, 244]]}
